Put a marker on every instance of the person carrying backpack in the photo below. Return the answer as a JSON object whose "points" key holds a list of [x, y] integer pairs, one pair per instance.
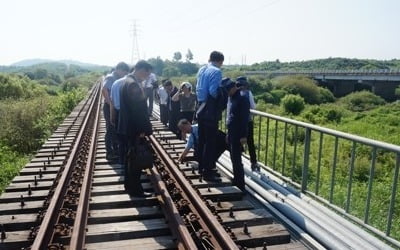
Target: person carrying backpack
{"points": [[209, 78]]}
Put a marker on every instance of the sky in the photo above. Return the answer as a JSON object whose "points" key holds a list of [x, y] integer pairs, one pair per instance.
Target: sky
{"points": [[246, 32]]}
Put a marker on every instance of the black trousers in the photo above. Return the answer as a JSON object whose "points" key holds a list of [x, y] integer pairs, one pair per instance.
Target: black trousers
{"points": [[131, 174], [236, 156], [188, 115], [250, 142], [220, 148], [173, 119], [164, 113], [207, 145], [110, 137], [149, 96]]}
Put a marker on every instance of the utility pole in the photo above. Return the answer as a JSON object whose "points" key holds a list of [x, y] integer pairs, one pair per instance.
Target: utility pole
{"points": [[135, 44]]}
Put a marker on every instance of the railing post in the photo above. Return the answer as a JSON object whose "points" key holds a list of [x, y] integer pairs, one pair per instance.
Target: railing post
{"points": [[393, 195], [306, 157]]}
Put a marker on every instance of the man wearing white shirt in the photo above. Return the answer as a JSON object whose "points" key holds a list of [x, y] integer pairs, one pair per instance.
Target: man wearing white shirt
{"points": [[163, 97], [148, 86], [250, 136]]}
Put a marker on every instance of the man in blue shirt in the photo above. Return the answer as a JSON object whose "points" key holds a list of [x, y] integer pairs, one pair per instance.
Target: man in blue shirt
{"points": [[110, 139], [186, 127], [115, 100], [208, 80]]}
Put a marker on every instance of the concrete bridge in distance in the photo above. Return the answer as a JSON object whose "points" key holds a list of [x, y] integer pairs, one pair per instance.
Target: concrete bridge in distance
{"points": [[342, 82]]}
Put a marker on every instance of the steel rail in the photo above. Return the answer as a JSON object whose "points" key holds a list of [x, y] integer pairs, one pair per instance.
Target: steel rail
{"points": [[45, 232], [185, 240], [221, 239], [79, 228]]}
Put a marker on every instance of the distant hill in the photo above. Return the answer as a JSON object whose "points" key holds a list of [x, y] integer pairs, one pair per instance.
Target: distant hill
{"points": [[327, 63], [52, 72], [30, 62], [35, 61]]}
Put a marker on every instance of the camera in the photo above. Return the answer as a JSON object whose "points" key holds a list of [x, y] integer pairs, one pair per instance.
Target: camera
{"points": [[241, 81], [240, 84]]}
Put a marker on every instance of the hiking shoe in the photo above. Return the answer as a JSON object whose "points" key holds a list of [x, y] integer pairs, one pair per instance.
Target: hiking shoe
{"points": [[211, 177]]}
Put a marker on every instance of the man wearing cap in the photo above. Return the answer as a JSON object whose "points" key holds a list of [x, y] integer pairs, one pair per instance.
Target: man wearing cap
{"points": [[237, 120], [208, 80], [242, 80], [110, 139]]}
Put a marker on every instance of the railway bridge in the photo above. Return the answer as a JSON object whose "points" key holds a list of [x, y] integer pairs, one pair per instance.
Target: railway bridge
{"points": [[308, 194]]}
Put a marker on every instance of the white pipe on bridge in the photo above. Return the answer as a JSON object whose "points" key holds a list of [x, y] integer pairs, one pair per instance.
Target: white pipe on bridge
{"points": [[330, 229]]}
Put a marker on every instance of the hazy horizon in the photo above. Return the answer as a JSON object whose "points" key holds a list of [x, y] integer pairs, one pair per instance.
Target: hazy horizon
{"points": [[246, 32], [78, 61]]}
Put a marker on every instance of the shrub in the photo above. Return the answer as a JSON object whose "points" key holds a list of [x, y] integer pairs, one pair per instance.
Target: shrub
{"points": [[266, 97], [334, 115], [30, 121], [322, 114], [260, 85], [293, 104], [361, 101], [302, 86], [278, 94], [19, 87], [10, 163], [326, 95], [397, 92], [18, 131]]}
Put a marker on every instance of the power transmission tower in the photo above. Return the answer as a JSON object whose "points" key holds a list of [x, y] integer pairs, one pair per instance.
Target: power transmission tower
{"points": [[135, 44]]}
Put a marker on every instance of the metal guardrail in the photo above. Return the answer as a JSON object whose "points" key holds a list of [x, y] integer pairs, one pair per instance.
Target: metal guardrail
{"points": [[346, 172]]}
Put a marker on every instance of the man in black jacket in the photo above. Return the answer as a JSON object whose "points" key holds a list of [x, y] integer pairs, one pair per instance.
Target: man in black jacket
{"points": [[238, 112], [133, 123]]}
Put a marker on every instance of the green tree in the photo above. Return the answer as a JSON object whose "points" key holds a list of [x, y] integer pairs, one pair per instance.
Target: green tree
{"points": [[187, 68], [170, 71], [40, 73], [158, 65], [177, 56], [189, 55]]}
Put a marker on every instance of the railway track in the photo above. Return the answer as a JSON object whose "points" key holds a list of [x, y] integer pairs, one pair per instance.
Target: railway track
{"points": [[70, 197]]}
